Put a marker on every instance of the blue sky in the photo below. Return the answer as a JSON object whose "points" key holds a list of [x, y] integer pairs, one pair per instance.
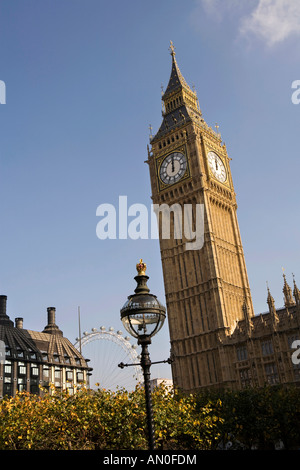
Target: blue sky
{"points": [[83, 82]]}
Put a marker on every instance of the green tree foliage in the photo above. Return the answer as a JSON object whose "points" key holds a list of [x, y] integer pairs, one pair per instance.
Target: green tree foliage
{"points": [[254, 418]]}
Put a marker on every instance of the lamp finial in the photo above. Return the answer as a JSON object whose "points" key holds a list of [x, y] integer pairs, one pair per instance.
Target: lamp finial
{"points": [[141, 268]]}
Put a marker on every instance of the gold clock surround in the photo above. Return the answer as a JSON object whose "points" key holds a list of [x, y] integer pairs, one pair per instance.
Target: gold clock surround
{"points": [[159, 162]]}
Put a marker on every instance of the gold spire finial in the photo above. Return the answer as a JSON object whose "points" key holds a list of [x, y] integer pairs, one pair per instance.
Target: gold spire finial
{"points": [[172, 49], [141, 268], [283, 274]]}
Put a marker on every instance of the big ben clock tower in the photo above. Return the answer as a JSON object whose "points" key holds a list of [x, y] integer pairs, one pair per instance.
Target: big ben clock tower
{"points": [[207, 289]]}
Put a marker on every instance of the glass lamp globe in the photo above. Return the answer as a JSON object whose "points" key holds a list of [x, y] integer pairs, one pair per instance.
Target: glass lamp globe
{"points": [[142, 314]]}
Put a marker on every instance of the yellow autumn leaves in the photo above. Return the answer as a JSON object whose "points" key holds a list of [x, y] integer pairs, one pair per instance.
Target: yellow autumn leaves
{"points": [[97, 420], [91, 420]]}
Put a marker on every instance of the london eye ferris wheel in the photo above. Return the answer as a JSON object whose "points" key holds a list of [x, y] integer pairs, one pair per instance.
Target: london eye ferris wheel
{"points": [[106, 348]]}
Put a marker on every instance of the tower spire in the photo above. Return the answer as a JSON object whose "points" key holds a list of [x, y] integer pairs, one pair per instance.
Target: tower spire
{"points": [[176, 80], [179, 102], [296, 292], [287, 292], [272, 309], [270, 299], [247, 317]]}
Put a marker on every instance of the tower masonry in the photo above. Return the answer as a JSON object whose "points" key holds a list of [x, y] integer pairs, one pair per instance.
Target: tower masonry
{"points": [[207, 289]]}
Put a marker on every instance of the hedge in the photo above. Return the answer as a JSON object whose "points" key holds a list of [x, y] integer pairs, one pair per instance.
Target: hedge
{"points": [[102, 419]]}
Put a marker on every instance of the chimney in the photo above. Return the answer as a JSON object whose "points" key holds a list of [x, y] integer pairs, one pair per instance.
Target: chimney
{"points": [[51, 326], [19, 322], [51, 315], [3, 301], [4, 319]]}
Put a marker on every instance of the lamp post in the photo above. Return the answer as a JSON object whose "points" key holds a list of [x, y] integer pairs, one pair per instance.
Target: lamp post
{"points": [[143, 316]]}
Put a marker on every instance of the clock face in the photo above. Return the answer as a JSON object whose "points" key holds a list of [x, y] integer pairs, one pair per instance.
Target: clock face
{"points": [[173, 168], [217, 166]]}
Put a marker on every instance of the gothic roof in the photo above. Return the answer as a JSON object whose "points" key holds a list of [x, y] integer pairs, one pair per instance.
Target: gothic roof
{"points": [[176, 80], [184, 111]]}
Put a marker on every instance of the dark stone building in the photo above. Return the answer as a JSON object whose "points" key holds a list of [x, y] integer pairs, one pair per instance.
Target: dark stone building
{"points": [[35, 360]]}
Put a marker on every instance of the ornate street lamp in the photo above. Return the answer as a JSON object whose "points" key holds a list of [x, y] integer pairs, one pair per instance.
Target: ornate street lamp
{"points": [[143, 316]]}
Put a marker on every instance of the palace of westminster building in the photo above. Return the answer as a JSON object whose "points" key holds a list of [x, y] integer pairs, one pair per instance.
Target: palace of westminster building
{"points": [[216, 339]]}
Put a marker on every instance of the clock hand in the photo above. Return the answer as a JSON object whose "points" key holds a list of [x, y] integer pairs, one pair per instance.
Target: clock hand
{"points": [[173, 168]]}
